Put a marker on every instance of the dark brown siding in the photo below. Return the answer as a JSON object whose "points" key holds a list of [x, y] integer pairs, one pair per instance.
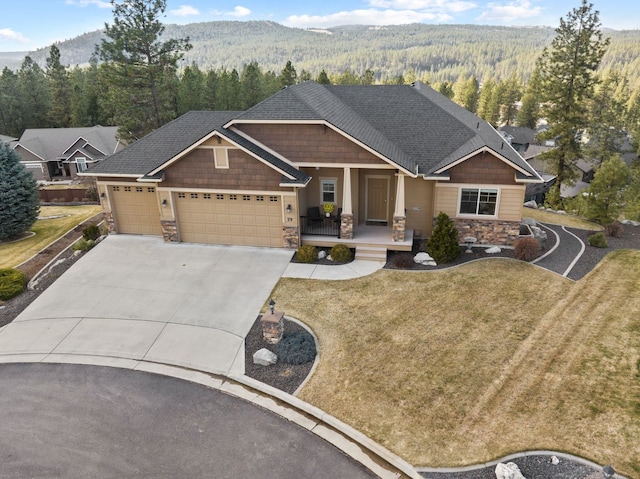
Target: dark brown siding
{"points": [[197, 170], [310, 144], [483, 168]]}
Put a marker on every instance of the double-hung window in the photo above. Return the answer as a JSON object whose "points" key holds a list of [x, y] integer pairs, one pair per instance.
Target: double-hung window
{"points": [[478, 201], [328, 190]]}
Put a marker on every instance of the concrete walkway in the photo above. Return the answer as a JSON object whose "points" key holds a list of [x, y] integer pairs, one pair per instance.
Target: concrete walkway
{"points": [[355, 269]]}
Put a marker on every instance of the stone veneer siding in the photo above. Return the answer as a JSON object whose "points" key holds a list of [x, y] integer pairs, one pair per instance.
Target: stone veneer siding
{"points": [[488, 232], [399, 227], [346, 226], [291, 236], [169, 230], [108, 220]]}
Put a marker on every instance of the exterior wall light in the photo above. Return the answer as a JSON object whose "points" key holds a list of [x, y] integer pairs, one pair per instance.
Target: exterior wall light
{"points": [[288, 208], [164, 202]]}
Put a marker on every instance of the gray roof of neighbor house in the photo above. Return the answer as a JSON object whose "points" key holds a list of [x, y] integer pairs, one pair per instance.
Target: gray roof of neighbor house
{"points": [[52, 143], [413, 126], [7, 139], [520, 134], [167, 142]]}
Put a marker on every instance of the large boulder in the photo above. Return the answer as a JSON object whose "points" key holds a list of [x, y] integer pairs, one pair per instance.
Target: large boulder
{"points": [[531, 204], [264, 357], [425, 259], [510, 470]]}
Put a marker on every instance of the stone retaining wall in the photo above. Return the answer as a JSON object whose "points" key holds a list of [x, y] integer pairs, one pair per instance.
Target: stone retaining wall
{"points": [[488, 232]]}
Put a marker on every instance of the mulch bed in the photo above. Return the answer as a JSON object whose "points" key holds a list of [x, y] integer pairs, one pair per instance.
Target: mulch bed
{"points": [[324, 260], [286, 377]]}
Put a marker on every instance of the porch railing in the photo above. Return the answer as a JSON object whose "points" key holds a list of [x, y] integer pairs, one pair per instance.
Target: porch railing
{"points": [[320, 226]]}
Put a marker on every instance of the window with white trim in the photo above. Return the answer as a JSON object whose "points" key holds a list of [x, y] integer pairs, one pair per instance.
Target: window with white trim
{"points": [[478, 201], [221, 158], [81, 164], [328, 190]]}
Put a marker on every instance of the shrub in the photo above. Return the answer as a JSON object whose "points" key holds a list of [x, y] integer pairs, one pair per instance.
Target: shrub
{"points": [[296, 348], [340, 253], [307, 253], [614, 229], [443, 244], [403, 260], [598, 240], [83, 245], [12, 282], [526, 249], [91, 232]]}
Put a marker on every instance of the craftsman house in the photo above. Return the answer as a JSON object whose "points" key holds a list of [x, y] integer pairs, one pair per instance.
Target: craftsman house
{"points": [[60, 153], [319, 164]]}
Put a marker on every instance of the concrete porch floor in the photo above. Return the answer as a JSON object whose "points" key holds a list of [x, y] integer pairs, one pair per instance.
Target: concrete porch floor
{"points": [[364, 236]]}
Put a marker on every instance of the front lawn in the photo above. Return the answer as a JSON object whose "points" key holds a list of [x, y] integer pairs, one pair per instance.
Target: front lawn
{"points": [[570, 221], [461, 366], [47, 231]]}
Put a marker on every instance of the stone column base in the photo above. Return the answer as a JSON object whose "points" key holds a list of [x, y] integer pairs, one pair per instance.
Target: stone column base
{"points": [[169, 230], [346, 226], [291, 237], [399, 227], [108, 220]]}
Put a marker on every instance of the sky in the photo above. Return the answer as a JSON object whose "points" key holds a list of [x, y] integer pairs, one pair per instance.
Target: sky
{"points": [[30, 24]]}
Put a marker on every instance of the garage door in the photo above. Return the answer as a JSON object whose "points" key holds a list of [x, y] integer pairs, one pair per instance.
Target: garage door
{"points": [[250, 220], [135, 210]]}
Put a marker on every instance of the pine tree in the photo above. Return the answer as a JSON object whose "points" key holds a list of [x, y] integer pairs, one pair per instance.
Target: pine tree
{"points": [[323, 78], [34, 95], [60, 90], [288, 75], [18, 195], [529, 112], [140, 64], [443, 244], [606, 192], [567, 72]]}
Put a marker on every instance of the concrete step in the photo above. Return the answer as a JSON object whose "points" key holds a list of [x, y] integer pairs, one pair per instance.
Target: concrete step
{"points": [[371, 253]]}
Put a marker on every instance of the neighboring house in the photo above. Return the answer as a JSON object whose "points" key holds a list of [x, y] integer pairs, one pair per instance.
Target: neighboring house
{"points": [[519, 137], [60, 153], [7, 139], [389, 158]]}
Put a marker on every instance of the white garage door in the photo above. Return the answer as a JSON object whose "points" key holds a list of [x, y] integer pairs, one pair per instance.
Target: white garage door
{"points": [[135, 210], [250, 220]]}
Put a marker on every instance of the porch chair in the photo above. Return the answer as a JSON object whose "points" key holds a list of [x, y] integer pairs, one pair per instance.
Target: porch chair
{"points": [[313, 215]]}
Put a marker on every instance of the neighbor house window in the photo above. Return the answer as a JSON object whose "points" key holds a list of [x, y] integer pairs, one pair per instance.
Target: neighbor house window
{"points": [[81, 164], [478, 201], [328, 190]]}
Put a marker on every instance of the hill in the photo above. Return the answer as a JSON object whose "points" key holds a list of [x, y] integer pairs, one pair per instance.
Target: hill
{"points": [[432, 52]]}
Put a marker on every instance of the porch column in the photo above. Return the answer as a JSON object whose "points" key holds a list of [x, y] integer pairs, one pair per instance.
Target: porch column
{"points": [[399, 217], [346, 218]]}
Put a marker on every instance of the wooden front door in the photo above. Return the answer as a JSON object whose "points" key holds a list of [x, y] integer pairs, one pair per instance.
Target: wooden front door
{"points": [[377, 199]]}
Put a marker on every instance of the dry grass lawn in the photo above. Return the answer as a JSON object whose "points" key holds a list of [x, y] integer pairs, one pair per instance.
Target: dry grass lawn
{"points": [[465, 365], [562, 220], [47, 231]]}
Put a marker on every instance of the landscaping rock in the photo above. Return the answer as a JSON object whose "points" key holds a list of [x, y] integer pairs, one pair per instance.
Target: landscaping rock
{"points": [[264, 357], [528, 221], [531, 204], [561, 212], [509, 470], [493, 250], [630, 222], [322, 254], [554, 460], [425, 259], [540, 235]]}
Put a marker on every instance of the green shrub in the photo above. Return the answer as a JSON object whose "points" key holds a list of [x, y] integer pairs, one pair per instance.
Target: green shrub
{"points": [[614, 229], [12, 282], [443, 244], [526, 249], [340, 253], [91, 232], [83, 245], [403, 260], [307, 253], [598, 240], [296, 348]]}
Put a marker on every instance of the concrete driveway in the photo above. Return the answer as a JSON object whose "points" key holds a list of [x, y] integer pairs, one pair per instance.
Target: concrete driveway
{"points": [[139, 298]]}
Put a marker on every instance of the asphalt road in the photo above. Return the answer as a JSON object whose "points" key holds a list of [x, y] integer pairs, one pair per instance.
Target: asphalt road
{"points": [[72, 421]]}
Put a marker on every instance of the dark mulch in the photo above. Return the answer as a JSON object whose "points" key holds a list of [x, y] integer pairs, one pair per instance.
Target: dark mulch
{"points": [[630, 239], [286, 377], [324, 260]]}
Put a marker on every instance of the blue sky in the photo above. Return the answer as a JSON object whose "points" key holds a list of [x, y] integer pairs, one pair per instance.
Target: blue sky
{"points": [[31, 24]]}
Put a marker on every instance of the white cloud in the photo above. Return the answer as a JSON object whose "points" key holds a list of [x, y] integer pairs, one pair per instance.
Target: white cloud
{"points": [[237, 12], [185, 11], [510, 12], [370, 16], [430, 5], [8, 34], [85, 3]]}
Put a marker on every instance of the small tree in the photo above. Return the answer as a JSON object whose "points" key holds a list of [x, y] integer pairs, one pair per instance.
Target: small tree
{"points": [[19, 206], [443, 244], [606, 191]]}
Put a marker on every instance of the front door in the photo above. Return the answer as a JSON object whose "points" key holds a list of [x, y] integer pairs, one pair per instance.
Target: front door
{"points": [[377, 199]]}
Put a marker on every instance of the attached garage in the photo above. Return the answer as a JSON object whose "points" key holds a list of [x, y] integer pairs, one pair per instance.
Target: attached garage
{"points": [[135, 210], [234, 219]]}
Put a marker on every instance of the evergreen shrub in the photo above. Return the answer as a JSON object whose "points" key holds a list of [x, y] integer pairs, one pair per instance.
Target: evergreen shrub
{"points": [[443, 244], [340, 253], [91, 232], [307, 253], [12, 283], [598, 240], [296, 348]]}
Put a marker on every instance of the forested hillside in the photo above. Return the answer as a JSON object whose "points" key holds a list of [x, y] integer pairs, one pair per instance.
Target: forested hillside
{"points": [[433, 53]]}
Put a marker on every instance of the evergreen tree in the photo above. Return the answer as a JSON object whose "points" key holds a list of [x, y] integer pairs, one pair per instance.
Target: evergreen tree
{"points": [[567, 72], [34, 95], [10, 108], [18, 195], [446, 89], [529, 112], [467, 93], [511, 94], [60, 88], [252, 83], [323, 78], [288, 75], [191, 90], [139, 63], [443, 245], [485, 98], [606, 192], [632, 193]]}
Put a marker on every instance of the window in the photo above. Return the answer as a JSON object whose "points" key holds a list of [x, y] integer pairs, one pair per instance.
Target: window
{"points": [[116, 188], [219, 197], [246, 198], [259, 198], [151, 190], [206, 196], [127, 188], [81, 164], [138, 189], [233, 197], [328, 190], [181, 195], [221, 158], [194, 196], [273, 199], [478, 201]]}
